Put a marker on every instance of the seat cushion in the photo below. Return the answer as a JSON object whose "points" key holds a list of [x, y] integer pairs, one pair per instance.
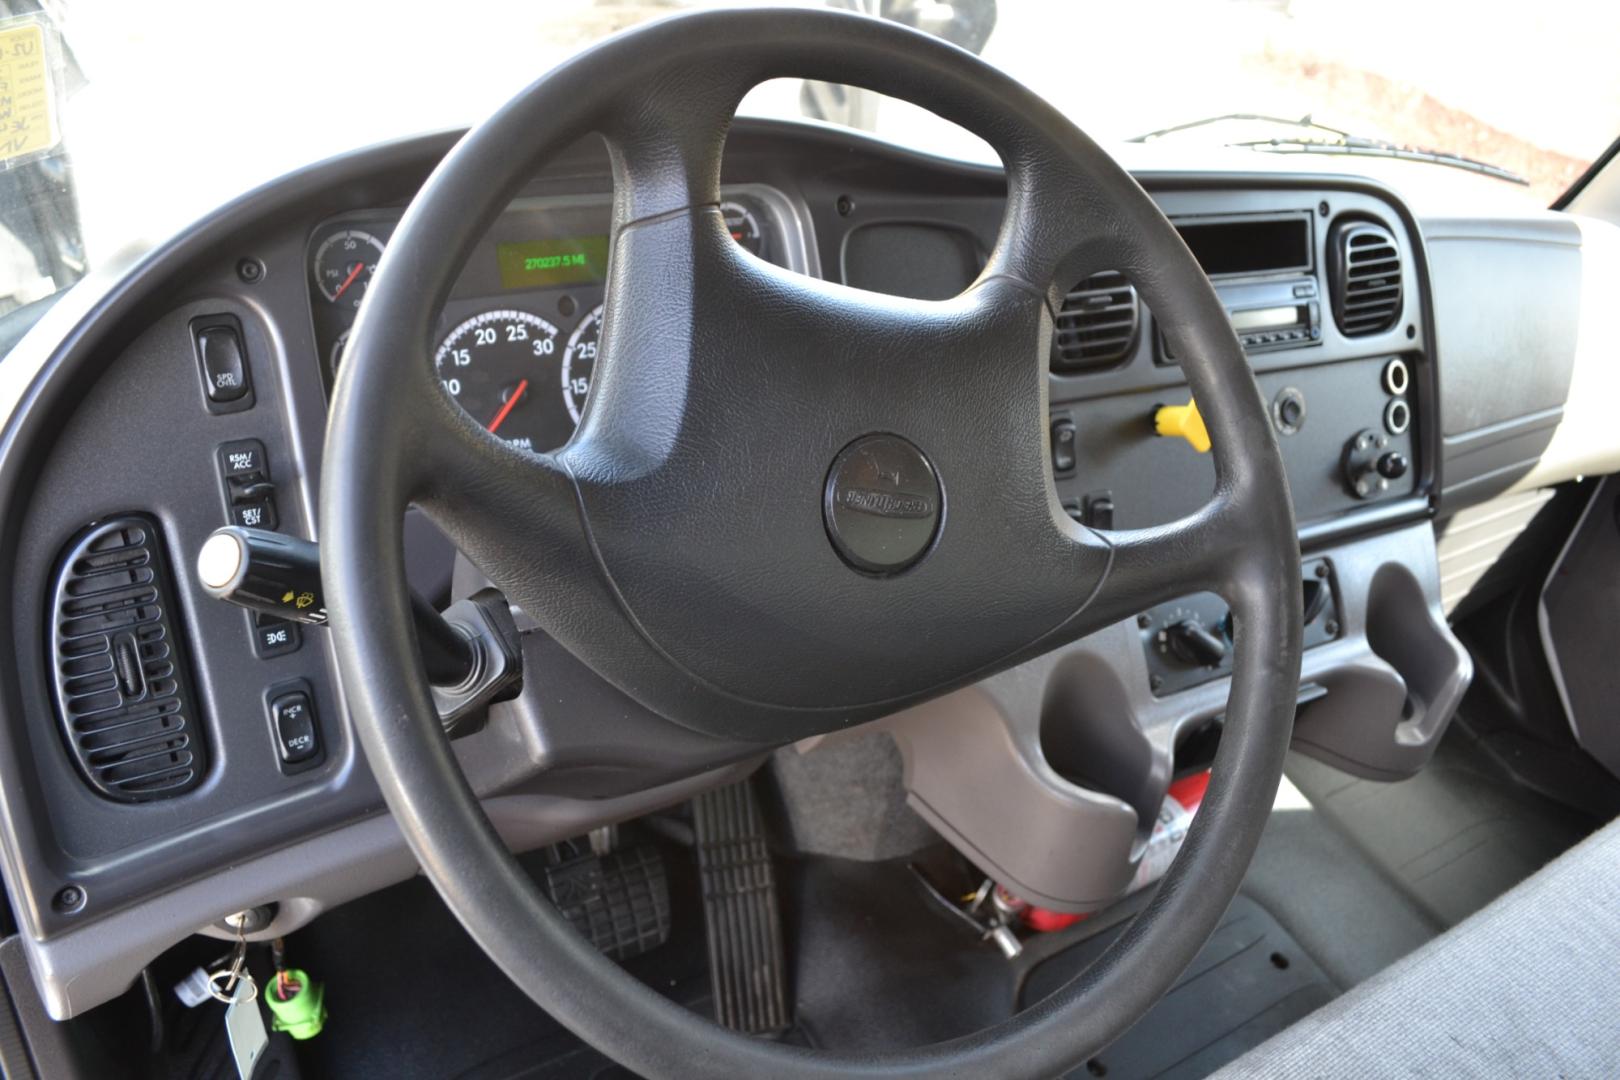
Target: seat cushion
{"points": [[1529, 986]]}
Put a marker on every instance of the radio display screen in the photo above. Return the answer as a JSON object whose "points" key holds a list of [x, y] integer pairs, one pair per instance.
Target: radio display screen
{"points": [[1266, 318]]}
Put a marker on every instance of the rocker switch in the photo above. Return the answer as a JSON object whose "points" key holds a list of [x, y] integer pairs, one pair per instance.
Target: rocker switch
{"points": [[292, 719], [222, 363]]}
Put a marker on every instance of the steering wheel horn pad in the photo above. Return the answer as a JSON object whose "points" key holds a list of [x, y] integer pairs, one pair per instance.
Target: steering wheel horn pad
{"points": [[883, 504], [792, 506]]}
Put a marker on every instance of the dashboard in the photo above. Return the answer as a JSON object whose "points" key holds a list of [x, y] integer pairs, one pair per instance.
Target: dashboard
{"points": [[1416, 359]]}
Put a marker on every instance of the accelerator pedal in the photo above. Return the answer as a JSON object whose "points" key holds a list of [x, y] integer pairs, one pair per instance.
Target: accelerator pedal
{"points": [[741, 912], [618, 900]]}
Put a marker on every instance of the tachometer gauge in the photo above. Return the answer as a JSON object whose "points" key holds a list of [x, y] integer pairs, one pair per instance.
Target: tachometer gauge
{"points": [[497, 366], [344, 264], [742, 224], [579, 360]]}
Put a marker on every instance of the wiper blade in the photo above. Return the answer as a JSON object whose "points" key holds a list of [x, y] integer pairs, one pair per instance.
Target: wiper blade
{"points": [[1335, 141], [1352, 144]]}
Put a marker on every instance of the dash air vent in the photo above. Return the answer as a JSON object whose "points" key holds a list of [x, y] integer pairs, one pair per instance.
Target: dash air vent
{"points": [[123, 695], [1096, 326], [1364, 267]]}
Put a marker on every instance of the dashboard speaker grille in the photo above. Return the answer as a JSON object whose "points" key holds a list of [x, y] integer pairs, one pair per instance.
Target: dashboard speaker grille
{"points": [[123, 694], [1097, 324], [1366, 270]]}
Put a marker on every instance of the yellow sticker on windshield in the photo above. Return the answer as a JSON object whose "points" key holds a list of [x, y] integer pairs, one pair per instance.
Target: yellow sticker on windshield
{"points": [[27, 98]]}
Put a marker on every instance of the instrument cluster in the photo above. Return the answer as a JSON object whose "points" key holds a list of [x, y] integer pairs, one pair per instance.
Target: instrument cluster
{"points": [[517, 342]]}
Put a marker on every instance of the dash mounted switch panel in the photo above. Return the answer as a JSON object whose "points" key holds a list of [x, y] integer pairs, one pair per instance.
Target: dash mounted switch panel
{"points": [[1189, 641], [244, 478], [250, 502]]}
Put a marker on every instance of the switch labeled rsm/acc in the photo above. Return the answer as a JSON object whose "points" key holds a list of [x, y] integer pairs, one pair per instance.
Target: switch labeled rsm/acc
{"points": [[222, 361]]}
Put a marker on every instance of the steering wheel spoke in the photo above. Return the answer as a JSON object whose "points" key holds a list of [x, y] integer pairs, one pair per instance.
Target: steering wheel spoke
{"points": [[1206, 551]]}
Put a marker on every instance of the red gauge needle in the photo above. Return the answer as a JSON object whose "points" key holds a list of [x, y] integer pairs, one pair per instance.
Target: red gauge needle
{"points": [[511, 403], [343, 288]]}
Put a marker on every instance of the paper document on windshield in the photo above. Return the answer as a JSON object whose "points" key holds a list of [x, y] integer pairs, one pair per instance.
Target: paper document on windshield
{"points": [[28, 92]]}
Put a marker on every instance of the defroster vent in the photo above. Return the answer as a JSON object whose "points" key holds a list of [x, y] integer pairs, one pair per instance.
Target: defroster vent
{"points": [[123, 692], [1364, 266], [1096, 326]]}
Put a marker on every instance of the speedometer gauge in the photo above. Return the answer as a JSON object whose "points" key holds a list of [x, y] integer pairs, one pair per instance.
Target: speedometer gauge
{"points": [[579, 361], [499, 366]]}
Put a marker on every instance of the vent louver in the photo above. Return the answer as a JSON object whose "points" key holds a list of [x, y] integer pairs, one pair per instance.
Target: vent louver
{"points": [[1096, 326], [123, 695], [1366, 278]]}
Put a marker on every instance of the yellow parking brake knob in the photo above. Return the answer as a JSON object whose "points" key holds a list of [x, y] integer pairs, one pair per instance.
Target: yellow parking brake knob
{"points": [[1183, 420]]}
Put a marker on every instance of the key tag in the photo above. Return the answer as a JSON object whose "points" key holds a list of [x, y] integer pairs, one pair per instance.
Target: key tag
{"points": [[244, 1027]]}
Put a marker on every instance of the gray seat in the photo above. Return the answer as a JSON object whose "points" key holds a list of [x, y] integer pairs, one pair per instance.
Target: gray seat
{"points": [[1529, 986]]}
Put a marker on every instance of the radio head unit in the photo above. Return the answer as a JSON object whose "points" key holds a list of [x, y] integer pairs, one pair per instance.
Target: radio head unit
{"points": [[1266, 315]]}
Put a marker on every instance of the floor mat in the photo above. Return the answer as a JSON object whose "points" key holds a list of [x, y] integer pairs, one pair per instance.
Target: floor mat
{"points": [[412, 996], [876, 966], [1455, 836], [1352, 918], [1252, 980]]}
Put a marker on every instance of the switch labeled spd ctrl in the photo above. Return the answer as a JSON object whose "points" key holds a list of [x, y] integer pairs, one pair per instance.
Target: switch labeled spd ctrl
{"points": [[222, 361], [294, 727]]}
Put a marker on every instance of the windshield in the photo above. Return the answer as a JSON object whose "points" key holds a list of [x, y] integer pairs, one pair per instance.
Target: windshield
{"points": [[128, 120]]}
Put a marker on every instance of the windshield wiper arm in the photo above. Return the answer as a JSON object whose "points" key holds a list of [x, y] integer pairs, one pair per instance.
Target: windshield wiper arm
{"points": [[1260, 118], [1355, 144]]}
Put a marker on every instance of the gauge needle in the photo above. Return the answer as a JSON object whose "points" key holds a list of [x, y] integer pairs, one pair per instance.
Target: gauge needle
{"points": [[343, 288], [511, 403]]}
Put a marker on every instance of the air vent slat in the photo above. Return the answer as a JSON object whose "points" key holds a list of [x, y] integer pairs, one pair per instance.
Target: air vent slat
{"points": [[123, 699], [1378, 301], [1097, 324], [1364, 277], [1123, 329]]}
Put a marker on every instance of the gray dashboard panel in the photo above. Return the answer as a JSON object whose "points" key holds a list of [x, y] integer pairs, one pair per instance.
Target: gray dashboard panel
{"points": [[1507, 301]]}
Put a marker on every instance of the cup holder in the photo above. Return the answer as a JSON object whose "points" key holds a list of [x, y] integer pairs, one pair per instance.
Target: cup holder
{"points": [[1383, 717], [1196, 746]]}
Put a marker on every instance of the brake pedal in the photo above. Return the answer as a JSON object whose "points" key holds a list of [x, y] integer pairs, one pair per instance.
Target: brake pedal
{"points": [[741, 913], [618, 900]]}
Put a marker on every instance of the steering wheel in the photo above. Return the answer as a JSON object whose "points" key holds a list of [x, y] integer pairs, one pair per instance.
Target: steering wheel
{"points": [[793, 506]]}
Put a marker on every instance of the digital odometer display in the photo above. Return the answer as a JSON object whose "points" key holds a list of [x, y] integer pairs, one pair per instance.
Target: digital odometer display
{"points": [[542, 264]]}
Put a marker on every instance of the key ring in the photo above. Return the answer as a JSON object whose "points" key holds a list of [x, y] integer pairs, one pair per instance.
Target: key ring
{"points": [[228, 998], [233, 974]]}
